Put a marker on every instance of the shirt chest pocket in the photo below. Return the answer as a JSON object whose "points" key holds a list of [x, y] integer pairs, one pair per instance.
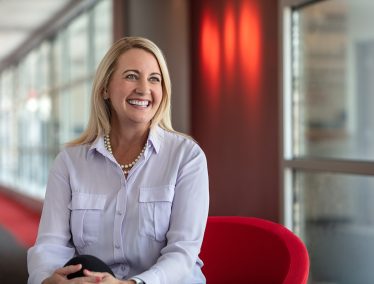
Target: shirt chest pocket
{"points": [[154, 211], [86, 214]]}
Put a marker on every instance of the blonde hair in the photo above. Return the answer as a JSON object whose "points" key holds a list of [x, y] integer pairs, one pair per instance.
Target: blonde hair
{"points": [[99, 120]]}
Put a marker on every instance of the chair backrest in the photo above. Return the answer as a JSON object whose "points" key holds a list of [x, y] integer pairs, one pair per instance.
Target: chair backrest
{"points": [[252, 250]]}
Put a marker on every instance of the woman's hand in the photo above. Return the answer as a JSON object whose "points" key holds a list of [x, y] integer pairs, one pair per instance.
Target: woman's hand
{"points": [[106, 278], [60, 276]]}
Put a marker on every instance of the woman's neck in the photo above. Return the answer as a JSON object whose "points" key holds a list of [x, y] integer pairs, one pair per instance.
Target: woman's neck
{"points": [[127, 138]]}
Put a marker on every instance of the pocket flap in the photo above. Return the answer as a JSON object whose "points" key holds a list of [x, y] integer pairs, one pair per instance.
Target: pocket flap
{"points": [[87, 201], [156, 194]]}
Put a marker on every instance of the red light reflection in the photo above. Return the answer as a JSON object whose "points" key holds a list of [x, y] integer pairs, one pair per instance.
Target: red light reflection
{"points": [[210, 52], [229, 37], [250, 43], [239, 45]]}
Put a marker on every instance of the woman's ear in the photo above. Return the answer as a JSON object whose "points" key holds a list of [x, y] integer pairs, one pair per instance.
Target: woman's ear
{"points": [[105, 96]]}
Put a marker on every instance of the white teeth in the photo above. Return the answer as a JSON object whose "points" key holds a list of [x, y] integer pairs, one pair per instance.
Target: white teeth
{"points": [[138, 103]]}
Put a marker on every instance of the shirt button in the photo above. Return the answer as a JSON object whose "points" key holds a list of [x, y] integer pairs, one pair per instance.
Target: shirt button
{"points": [[119, 213], [117, 246], [125, 268]]}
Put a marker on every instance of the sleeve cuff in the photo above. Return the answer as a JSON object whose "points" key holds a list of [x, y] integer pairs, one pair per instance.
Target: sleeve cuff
{"points": [[152, 275], [137, 280]]}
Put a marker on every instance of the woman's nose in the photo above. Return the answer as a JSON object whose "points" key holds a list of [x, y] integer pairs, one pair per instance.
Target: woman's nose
{"points": [[143, 88]]}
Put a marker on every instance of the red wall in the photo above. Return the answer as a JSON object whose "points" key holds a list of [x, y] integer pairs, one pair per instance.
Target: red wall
{"points": [[235, 96]]}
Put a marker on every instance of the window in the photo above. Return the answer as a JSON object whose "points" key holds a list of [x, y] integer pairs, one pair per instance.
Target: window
{"points": [[44, 99], [328, 154]]}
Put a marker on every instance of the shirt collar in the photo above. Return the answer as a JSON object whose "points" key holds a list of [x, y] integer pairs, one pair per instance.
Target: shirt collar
{"points": [[98, 145], [155, 138]]}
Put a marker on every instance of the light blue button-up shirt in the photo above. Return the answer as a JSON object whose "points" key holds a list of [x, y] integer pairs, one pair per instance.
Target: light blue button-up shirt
{"points": [[149, 224]]}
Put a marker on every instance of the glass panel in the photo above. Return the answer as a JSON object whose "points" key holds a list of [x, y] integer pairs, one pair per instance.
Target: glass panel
{"points": [[78, 47], [338, 226], [74, 102], [60, 67], [333, 86], [102, 24], [28, 76], [44, 100], [43, 74], [8, 134], [63, 103], [78, 110]]}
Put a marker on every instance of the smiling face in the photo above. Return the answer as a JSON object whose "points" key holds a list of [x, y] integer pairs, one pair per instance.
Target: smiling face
{"points": [[135, 88]]}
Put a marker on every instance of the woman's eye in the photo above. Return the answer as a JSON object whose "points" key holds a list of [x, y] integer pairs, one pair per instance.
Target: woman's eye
{"points": [[131, 76], [155, 79]]}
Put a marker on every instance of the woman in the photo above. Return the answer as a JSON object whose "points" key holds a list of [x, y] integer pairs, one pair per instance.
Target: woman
{"points": [[130, 191]]}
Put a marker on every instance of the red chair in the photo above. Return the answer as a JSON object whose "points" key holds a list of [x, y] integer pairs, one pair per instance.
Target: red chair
{"points": [[252, 250]]}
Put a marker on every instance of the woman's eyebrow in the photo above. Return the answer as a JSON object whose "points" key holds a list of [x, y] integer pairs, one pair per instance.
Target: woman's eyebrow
{"points": [[131, 70], [155, 73], [137, 72]]}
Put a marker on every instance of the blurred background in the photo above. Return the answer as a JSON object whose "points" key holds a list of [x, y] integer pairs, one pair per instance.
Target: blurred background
{"points": [[279, 95]]}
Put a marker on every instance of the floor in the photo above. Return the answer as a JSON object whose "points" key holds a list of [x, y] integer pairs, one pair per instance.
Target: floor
{"points": [[13, 269], [18, 229]]}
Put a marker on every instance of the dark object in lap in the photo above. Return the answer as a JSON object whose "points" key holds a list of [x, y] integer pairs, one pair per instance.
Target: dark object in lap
{"points": [[88, 262]]}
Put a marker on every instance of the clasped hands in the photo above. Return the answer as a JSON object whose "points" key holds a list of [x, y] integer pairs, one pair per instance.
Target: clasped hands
{"points": [[60, 277]]}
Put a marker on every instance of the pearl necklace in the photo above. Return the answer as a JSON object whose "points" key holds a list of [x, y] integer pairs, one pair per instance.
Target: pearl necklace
{"points": [[126, 167]]}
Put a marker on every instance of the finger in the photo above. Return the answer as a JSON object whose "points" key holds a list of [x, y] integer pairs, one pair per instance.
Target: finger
{"points": [[69, 269], [86, 279], [94, 273], [97, 275]]}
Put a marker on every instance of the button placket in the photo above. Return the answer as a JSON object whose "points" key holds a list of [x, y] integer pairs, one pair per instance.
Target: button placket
{"points": [[118, 220], [140, 163]]}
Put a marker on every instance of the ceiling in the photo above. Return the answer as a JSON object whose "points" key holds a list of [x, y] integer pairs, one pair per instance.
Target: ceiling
{"points": [[19, 19]]}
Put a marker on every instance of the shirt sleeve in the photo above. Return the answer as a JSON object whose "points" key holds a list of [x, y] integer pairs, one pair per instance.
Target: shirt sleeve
{"points": [[53, 246], [187, 223]]}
